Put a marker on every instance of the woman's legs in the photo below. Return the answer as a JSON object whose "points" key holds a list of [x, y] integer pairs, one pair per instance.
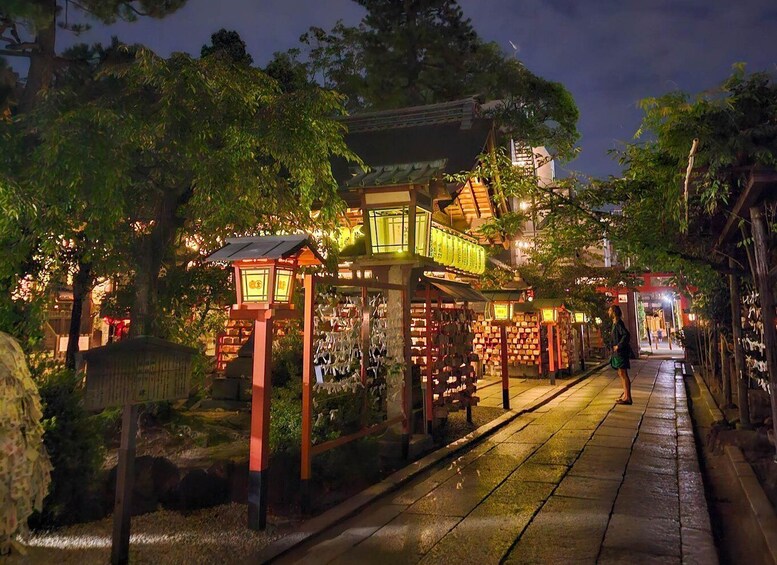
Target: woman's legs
{"points": [[626, 382]]}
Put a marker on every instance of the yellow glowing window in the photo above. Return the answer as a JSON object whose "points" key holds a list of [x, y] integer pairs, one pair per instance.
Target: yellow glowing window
{"points": [[389, 230], [422, 223], [501, 311], [548, 314], [254, 284], [283, 284]]}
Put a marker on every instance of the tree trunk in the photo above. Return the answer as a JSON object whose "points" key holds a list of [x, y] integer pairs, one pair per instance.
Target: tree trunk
{"points": [[767, 306], [42, 59], [153, 249], [81, 284], [743, 401]]}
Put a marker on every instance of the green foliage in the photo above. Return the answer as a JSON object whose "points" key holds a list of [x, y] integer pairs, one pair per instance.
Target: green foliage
{"points": [[287, 355], [425, 51], [257, 164], [290, 73], [74, 444], [286, 418], [229, 44]]}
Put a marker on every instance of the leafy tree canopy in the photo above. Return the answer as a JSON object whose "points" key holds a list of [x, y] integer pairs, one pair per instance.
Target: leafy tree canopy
{"points": [[191, 148], [426, 51], [28, 29], [229, 43]]}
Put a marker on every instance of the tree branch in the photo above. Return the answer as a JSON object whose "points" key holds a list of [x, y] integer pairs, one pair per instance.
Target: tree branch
{"points": [[132, 8], [11, 53]]}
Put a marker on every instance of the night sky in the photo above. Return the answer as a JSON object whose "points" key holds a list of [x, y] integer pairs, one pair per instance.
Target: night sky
{"points": [[608, 53]]}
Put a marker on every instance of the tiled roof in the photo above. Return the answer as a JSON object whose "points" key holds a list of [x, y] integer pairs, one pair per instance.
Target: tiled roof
{"points": [[387, 175], [264, 247]]}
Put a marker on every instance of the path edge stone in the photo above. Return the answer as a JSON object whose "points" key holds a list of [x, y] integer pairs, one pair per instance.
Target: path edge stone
{"points": [[758, 503], [351, 506], [760, 508]]}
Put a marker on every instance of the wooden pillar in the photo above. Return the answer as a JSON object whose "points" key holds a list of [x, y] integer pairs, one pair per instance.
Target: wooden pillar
{"points": [[505, 368], [725, 375], [307, 391], [767, 306], [551, 354], [259, 453], [743, 401], [125, 478]]}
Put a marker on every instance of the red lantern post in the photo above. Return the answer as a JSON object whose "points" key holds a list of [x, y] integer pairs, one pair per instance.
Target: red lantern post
{"points": [[265, 272]]}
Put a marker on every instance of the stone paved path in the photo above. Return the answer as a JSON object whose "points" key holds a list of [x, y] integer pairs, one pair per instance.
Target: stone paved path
{"points": [[523, 392], [577, 481]]}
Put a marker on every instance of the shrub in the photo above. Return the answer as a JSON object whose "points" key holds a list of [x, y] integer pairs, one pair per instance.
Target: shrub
{"points": [[75, 446], [286, 418]]}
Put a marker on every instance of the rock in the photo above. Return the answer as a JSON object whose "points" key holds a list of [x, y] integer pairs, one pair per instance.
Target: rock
{"points": [[144, 497], [198, 489], [225, 389], [166, 477], [238, 483]]}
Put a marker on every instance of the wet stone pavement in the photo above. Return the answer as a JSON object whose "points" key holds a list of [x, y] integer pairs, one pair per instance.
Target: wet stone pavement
{"points": [[580, 480]]}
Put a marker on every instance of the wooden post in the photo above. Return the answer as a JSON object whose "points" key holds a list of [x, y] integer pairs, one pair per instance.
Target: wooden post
{"points": [[259, 453], [743, 402], [307, 392], [125, 477], [767, 306], [582, 347], [725, 375], [505, 369], [551, 354]]}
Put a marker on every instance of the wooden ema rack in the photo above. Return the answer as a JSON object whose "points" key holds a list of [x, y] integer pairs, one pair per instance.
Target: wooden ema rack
{"points": [[443, 337], [524, 344]]}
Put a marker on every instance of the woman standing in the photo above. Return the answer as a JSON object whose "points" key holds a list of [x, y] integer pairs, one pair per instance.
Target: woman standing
{"points": [[621, 352]]}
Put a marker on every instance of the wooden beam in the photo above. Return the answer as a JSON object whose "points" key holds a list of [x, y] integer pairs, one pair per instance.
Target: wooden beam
{"points": [[474, 198], [756, 183]]}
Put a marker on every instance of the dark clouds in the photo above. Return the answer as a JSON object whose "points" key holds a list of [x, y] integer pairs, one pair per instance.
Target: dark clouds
{"points": [[608, 53]]}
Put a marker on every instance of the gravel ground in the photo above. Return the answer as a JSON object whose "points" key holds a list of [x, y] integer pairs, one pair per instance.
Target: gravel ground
{"points": [[213, 535]]}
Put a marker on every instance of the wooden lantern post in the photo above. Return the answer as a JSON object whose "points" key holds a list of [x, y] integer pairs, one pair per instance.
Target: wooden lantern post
{"points": [[265, 272], [548, 316], [581, 318], [501, 314]]}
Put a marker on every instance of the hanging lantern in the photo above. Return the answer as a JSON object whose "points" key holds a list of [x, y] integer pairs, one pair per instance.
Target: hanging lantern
{"points": [[549, 315], [502, 311]]}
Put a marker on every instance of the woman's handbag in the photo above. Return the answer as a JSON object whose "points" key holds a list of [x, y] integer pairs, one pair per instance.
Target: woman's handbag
{"points": [[617, 362]]}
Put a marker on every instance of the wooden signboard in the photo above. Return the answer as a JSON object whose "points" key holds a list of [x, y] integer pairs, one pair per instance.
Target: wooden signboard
{"points": [[137, 370], [128, 373]]}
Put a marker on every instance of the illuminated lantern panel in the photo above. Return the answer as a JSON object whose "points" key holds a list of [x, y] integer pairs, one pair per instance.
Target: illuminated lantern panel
{"points": [[580, 317], [422, 225], [389, 230], [548, 314], [255, 284], [284, 281], [502, 311], [455, 251]]}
